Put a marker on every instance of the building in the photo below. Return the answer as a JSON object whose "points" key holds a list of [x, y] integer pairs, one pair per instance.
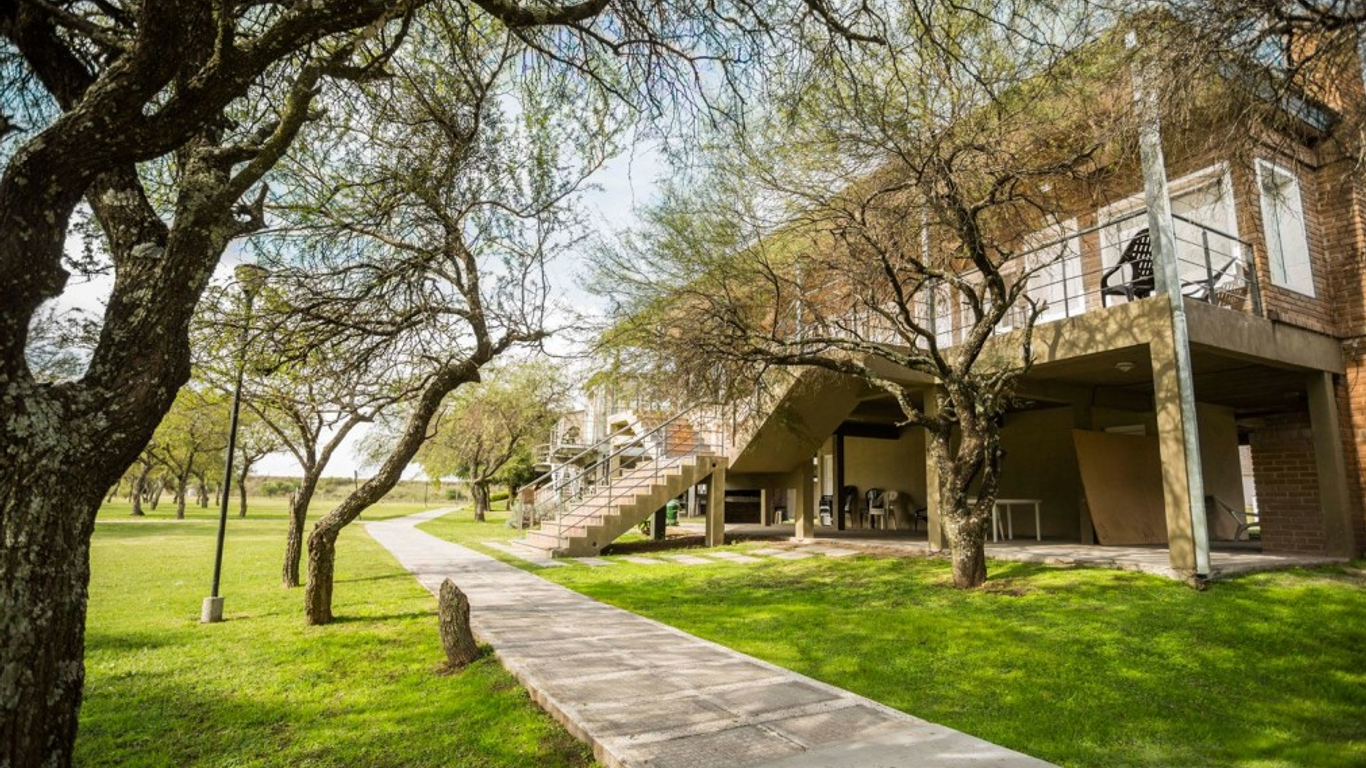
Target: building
{"points": [[1269, 244]]}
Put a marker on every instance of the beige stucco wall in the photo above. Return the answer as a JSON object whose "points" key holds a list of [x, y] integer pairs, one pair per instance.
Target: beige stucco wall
{"points": [[892, 465], [1041, 463]]}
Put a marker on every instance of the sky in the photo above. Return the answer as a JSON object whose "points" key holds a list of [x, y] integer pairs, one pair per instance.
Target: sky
{"points": [[621, 187]]}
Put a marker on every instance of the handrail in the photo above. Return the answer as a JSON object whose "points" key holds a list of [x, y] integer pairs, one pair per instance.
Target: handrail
{"points": [[567, 501], [622, 449], [572, 459]]}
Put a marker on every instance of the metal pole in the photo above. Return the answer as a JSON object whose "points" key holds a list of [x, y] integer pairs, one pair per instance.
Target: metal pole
{"points": [[1162, 231], [212, 609]]}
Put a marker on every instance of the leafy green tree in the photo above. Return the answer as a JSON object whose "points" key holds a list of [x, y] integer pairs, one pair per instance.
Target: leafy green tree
{"points": [[486, 430], [190, 441], [883, 189]]}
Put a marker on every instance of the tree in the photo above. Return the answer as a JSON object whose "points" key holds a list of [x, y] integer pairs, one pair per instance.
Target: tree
{"points": [[165, 119], [255, 441], [190, 441], [486, 427], [886, 188], [446, 265]]}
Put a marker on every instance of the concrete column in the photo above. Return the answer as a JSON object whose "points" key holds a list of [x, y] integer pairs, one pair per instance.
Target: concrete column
{"points": [[1332, 466], [1081, 419], [1174, 347], [1187, 534], [806, 478], [716, 506], [934, 528], [765, 517]]}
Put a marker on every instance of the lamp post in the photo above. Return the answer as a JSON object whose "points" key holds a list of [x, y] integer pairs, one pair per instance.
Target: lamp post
{"points": [[250, 277]]}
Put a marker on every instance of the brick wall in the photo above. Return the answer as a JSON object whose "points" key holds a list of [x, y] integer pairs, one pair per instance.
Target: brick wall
{"points": [[1287, 485], [1351, 394]]}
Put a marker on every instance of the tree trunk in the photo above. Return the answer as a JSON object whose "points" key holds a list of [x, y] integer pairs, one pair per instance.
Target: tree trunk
{"points": [[967, 549], [180, 500], [242, 489], [322, 559], [974, 460], [453, 616], [298, 517], [43, 578], [322, 542], [139, 489], [479, 489]]}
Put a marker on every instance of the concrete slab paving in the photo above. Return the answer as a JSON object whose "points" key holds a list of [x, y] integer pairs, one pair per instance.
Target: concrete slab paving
{"points": [[690, 560], [795, 554], [734, 557], [638, 560], [533, 556], [767, 551], [645, 695], [595, 562]]}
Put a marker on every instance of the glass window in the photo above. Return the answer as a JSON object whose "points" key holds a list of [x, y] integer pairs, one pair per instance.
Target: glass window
{"points": [[1055, 263], [1287, 245], [1208, 254]]}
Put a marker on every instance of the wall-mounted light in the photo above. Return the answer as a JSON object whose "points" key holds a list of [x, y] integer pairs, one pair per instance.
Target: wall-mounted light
{"points": [[1124, 366]]}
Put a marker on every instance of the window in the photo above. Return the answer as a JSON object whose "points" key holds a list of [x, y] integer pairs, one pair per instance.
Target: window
{"points": [[1287, 246], [1056, 263], [1208, 255]]}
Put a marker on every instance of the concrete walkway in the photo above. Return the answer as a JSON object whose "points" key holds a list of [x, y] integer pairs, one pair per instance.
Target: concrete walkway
{"points": [[645, 695]]}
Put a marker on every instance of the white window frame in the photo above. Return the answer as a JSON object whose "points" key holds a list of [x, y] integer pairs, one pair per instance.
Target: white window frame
{"points": [[1068, 256], [1299, 275], [1114, 236]]}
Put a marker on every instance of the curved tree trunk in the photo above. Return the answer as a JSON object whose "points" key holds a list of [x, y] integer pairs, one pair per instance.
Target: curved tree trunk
{"points": [[479, 489], [322, 543], [294, 539], [43, 578]]}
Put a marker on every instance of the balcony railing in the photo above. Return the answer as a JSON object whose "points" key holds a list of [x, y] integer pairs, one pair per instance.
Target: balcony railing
{"points": [[1072, 275]]}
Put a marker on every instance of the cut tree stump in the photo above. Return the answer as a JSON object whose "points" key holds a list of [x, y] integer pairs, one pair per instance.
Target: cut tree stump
{"points": [[453, 613]]}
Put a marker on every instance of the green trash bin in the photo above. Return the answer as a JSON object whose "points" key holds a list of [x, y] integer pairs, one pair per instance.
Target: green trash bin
{"points": [[671, 512]]}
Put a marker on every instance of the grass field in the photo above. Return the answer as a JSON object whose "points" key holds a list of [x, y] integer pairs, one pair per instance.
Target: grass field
{"points": [[1082, 667], [262, 689], [257, 509]]}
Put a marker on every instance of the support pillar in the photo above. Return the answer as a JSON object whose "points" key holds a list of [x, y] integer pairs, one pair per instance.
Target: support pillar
{"points": [[934, 524], [807, 476], [1086, 529], [1187, 526], [1326, 433], [716, 506], [657, 525], [1187, 535]]}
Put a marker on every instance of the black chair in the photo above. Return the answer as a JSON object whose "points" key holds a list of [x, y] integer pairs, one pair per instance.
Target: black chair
{"points": [[826, 512], [849, 508], [1138, 256]]}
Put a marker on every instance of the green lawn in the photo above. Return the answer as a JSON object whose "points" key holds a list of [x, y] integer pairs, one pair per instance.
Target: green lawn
{"points": [[262, 689], [266, 508], [1082, 667]]}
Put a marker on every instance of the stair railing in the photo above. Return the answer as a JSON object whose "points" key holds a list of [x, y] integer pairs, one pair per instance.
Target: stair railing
{"points": [[631, 468], [535, 485]]}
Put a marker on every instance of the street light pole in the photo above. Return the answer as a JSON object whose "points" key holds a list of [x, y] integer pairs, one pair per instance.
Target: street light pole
{"points": [[249, 277]]}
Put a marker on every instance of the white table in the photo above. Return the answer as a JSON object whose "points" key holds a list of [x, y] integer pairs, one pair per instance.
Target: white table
{"points": [[1007, 504]]}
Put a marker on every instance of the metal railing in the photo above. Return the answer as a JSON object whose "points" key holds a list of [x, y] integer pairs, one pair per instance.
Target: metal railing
{"points": [[631, 468], [1214, 267]]}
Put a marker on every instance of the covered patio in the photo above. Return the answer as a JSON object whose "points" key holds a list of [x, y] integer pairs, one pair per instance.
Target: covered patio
{"points": [[1227, 558]]}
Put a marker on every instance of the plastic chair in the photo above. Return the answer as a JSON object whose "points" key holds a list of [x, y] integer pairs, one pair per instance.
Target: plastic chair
{"points": [[1138, 256]]}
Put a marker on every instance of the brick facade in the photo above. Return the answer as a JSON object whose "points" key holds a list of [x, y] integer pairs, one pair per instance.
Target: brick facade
{"points": [[1287, 485]]}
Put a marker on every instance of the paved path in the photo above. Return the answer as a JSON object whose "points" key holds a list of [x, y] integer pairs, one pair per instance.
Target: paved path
{"points": [[645, 695]]}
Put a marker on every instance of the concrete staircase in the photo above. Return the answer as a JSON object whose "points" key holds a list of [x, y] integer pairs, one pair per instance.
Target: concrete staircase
{"points": [[631, 499], [582, 514]]}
